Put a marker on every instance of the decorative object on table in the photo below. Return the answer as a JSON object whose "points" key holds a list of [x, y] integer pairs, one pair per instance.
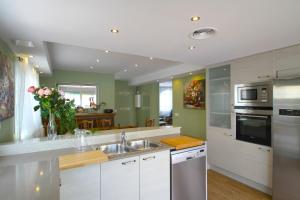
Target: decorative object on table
{"points": [[108, 110], [194, 94], [54, 109], [7, 87], [79, 109]]}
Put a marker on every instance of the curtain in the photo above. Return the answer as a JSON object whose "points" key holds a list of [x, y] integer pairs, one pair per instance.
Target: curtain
{"points": [[27, 122]]}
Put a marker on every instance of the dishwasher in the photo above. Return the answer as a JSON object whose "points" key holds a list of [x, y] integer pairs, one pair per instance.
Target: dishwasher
{"points": [[189, 175]]}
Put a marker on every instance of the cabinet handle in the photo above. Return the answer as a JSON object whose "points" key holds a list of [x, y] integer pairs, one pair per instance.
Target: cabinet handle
{"points": [[149, 158], [262, 149], [228, 134], [128, 162]]}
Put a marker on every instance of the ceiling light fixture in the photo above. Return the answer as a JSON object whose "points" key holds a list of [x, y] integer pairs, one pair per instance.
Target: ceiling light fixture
{"points": [[195, 18], [92, 67], [190, 73], [151, 58], [97, 60], [136, 65], [41, 72], [203, 33], [114, 30], [125, 70], [192, 47], [106, 51], [30, 56]]}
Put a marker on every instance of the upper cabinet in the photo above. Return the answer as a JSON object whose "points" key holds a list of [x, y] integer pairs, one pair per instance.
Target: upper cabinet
{"points": [[219, 97], [257, 68]]}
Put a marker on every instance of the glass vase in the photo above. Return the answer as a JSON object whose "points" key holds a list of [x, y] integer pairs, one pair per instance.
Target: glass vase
{"points": [[51, 127]]}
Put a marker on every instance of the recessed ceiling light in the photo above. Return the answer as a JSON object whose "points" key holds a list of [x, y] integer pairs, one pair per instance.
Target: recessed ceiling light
{"points": [[195, 18], [151, 58], [190, 73], [114, 30], [125, 70], [30, 56], [92, 67], [136, 65], [106, 51], [97, 60], [203, 33], [192, 47]]}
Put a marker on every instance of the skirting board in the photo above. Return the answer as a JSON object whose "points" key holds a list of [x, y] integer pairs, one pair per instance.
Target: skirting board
{"points": [[241, 179]]}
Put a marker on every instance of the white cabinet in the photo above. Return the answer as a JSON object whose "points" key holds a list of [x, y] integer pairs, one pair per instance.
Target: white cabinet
{"points": [[80, 183], [257, 68], [155, 176], [120, 179]]}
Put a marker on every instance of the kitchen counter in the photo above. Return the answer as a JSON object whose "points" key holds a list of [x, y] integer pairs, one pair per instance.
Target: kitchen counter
{"points": [[35, 176]]}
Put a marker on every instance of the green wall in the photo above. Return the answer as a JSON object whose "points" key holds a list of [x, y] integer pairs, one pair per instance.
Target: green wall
{"points": [[150, 104], [192, 121], [7, 125], [124, 98], [105, 83]]}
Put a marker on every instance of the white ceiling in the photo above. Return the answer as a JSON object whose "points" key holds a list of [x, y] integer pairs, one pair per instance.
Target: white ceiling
{"points": [[154, 28], [124, 67]]}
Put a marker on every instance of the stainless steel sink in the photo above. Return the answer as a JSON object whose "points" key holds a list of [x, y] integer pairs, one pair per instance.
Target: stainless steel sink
{"points": [[113, 149], [141, 144]]}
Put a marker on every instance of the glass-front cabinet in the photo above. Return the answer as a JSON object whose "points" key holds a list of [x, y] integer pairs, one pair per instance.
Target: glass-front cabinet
{"points": [[219, 97]]}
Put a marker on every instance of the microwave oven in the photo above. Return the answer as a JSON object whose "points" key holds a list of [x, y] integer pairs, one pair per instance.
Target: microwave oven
{"points": [[254, 95]]}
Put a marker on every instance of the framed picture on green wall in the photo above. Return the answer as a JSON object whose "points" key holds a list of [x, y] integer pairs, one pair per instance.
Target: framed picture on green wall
{"points": [[194, 94]]}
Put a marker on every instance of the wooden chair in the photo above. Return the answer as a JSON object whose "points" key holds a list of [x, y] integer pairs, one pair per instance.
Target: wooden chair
{"points": [[104, 124], [150, 122], [86, 124]]}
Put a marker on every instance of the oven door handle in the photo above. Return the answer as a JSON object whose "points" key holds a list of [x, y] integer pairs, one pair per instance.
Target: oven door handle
{"points": [[257, 116]]}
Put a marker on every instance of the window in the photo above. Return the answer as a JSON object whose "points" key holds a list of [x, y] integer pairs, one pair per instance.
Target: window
{"points": [[82, 94]]}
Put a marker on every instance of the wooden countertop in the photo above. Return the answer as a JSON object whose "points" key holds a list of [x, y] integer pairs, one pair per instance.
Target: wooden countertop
{"points": [[182, 142], [81, 159]]}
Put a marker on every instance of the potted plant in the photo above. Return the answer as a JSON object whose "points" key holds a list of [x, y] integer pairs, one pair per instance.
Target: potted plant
{"points": [[54, 108]]}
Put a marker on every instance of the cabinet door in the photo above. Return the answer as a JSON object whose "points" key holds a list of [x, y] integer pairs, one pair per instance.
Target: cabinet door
{"points": [[155, 176], [80, 183], [120, 179], [221, 148]]}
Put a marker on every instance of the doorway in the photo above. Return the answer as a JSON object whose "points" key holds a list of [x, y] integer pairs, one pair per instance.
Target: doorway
{"points": [[165, 104]]}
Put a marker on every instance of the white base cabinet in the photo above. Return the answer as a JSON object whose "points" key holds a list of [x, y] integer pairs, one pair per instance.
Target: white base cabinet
{"points": [[120, 179], [145, 177], [80, 183], [155, 176]]}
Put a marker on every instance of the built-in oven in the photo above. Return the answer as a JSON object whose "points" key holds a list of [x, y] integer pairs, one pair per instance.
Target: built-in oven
{"points": [[254, 107], [254, 128], [254, 94]]}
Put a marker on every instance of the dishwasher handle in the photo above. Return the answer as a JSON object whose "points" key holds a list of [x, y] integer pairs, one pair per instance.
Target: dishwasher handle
{"points": [[188, 155]]}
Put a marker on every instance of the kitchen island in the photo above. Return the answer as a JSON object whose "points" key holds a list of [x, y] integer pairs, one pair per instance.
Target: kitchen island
{"points": [[36, 175]]}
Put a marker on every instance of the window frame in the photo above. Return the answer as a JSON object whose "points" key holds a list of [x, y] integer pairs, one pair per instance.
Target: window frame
{"points": [[80, 84]]}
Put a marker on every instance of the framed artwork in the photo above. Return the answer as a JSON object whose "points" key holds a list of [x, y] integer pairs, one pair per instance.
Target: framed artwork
{"points": [[7, 88], [194, 94]]}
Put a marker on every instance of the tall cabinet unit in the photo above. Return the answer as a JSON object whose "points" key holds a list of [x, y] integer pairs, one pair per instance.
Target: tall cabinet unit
{"points": [[220, 137]]}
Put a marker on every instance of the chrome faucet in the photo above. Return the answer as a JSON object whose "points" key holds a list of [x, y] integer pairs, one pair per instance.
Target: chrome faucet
{"points": [[123, 140]]}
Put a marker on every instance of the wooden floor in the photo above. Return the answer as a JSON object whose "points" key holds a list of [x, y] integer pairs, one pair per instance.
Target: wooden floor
{"points": [[223, 188]]}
